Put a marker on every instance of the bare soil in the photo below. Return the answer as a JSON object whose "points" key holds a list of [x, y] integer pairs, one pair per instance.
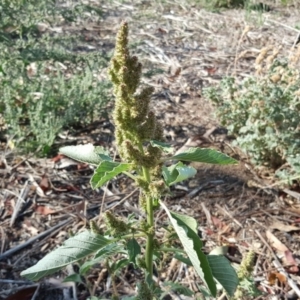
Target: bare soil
{"points": [[185, 48]]}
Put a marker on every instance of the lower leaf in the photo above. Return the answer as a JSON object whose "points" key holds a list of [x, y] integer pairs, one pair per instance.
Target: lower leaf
{"points": [[186, 231], [74, 249]]}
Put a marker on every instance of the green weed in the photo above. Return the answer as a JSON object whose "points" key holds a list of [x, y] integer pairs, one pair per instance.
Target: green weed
{"points": [[131, 241]]}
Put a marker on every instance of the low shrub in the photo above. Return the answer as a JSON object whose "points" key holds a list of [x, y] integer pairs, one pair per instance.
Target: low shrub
{"points": [[45, 85], [263, 112], [220, 4]]}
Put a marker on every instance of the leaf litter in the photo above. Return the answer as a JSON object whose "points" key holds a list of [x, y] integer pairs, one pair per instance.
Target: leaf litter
{"points": [[183, 48]]}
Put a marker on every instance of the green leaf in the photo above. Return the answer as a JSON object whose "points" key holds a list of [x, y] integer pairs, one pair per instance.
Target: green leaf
{"points": [[86, 153], [134, 249], [219, 250], [109, 250], [177, 173], [120, 264], [204, 292], [177, 287], [189, 221], [106, 171], [187, 233], [183, 259], [162, 146], [204, 155], [250, 288], [223, 272], [73, 278], [74, 249], [106, 251]]}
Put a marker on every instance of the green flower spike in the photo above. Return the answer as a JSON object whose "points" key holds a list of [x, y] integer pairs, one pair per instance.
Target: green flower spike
{"points": [[135, 126], [135, 123], [116, 226]]}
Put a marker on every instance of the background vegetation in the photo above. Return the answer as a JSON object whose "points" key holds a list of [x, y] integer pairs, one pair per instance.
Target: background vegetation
{"points": [[49, 81]]}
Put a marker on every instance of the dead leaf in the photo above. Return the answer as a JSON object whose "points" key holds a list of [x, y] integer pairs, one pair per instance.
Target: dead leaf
{"points": [[293, 269], [44, 184], [24, 294], [57, 158], [283, 227], [225, 229], [217, 222], [72, 188], [175, 75], [275, 243], [295, 209], [44, 210], [212, 49], [81, 208], [289, 258], [276, 276], [162, 30], [281, 278], [208, 231], [272, 278], [211, 70]]}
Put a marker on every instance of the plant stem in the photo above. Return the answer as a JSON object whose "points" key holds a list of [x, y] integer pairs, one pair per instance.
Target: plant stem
{"points": [[113, 279], [129, 175], [170, 249], [129, 236], [150, 238], [150, 223], [150, 235]]}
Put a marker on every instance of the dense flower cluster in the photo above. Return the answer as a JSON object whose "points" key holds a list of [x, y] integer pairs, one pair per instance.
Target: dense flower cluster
{"points": [[135, 123]]}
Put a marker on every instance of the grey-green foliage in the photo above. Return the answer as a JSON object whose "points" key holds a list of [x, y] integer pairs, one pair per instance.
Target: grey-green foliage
{"points": [[217, 4], [249, 5], [264, 115], [45, 84]]}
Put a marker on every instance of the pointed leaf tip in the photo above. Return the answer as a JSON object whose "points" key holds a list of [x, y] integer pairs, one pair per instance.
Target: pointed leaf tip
{"points": [[204, 155], [162, 146], [74, 249], [185, 229], [106, 171], [177, 173], [224, 273]]}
